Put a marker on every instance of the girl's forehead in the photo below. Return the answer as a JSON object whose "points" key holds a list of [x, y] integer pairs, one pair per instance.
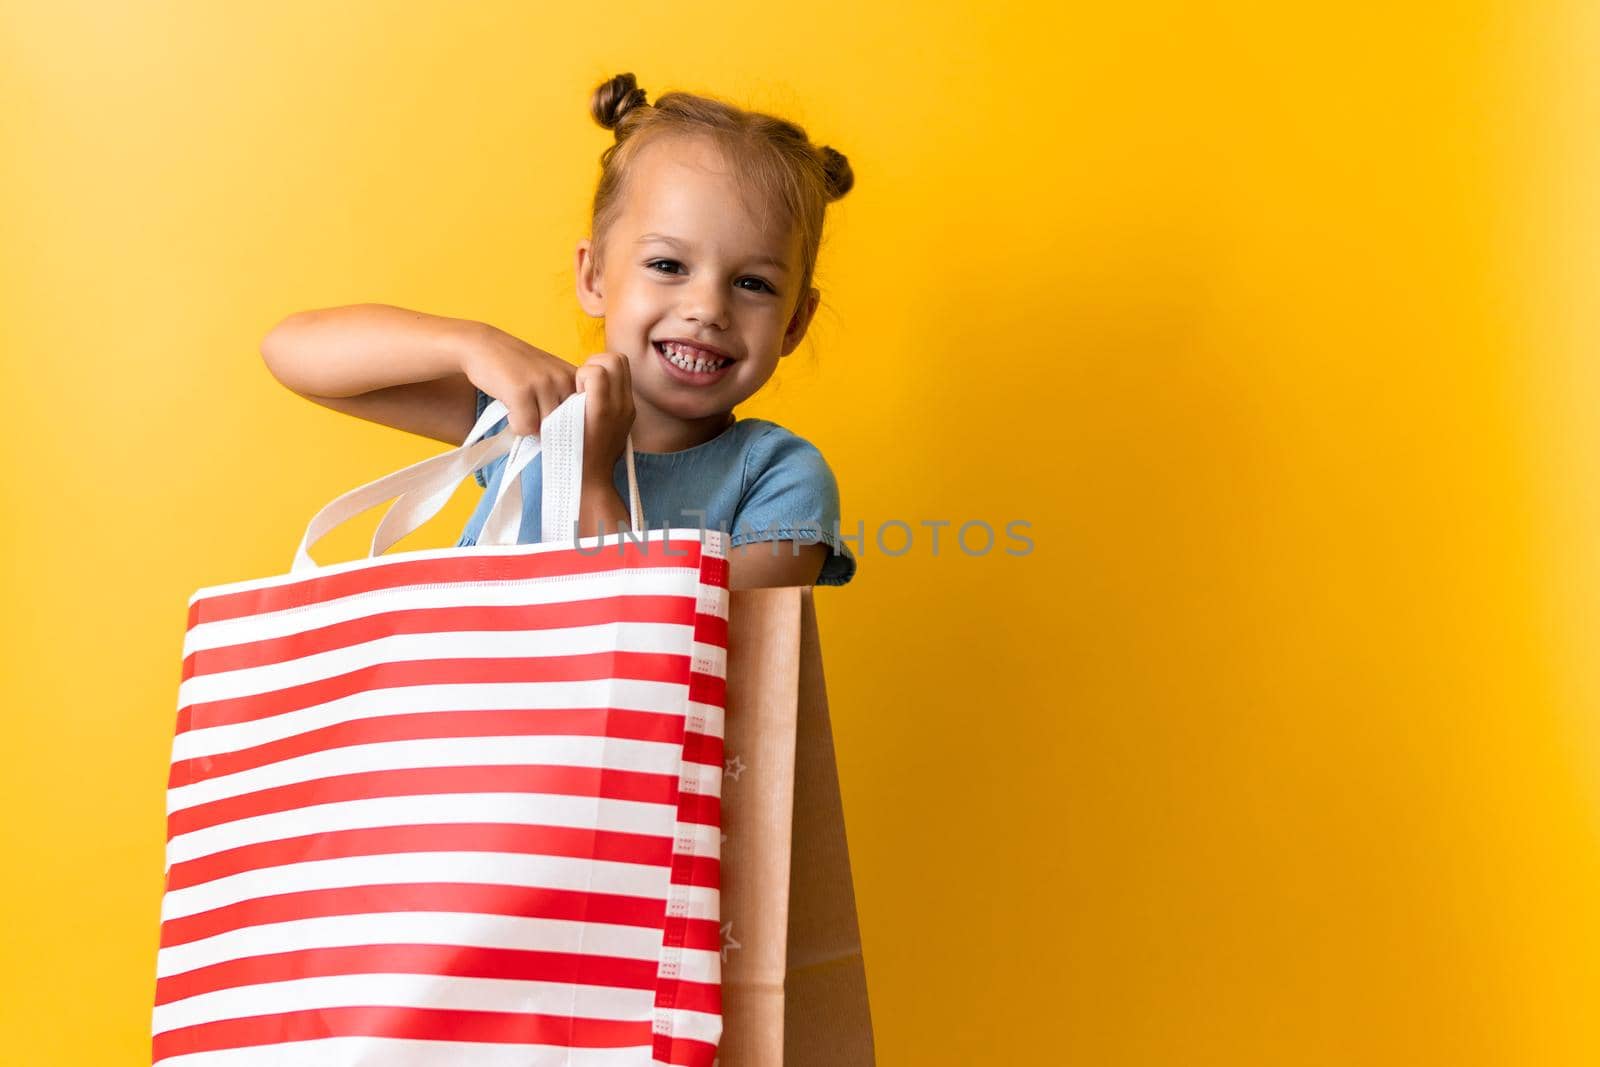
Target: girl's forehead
{"points": [[665, 184], [704, 215], [681, 155]]}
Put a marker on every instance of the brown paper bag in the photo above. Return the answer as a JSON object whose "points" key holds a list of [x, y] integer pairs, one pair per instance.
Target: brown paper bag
{"points": [[794, 985]]}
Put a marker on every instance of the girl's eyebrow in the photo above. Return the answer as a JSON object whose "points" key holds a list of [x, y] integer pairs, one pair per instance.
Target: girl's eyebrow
{"points": [[768, 261]]}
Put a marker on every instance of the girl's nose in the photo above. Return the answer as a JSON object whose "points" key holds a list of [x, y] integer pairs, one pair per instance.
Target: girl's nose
{"points": [[707, 306]]}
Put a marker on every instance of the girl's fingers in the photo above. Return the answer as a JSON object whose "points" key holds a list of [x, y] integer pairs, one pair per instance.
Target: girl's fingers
{"points": [[624, 379], [595, 382], [524, 414], [618, 380], [613, 370], [608, 376]]}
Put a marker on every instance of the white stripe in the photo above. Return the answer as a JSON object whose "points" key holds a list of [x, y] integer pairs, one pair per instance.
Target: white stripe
{"points": [[699, 839], [451, 929], [561, 999], [524, 809], [659, 697], [554, 750], [695, 965], [707, 719], [693, 1025], [655, 539], [701, 903], [490, 868], [413, 928], [400, 1052], [647, 637], [702, 779], [653, 582], [704, 903], [712, 600], [709, 659]]}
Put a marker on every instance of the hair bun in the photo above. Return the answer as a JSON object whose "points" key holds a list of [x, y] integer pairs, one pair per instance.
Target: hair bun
{"points": [[614, 98], [837, 170]]}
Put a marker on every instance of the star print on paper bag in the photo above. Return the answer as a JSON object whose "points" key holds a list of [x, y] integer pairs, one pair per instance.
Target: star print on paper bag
{"points": [[727, 940]]}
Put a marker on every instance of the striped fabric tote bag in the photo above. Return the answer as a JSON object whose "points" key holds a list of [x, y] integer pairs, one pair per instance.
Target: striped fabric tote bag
{"points": [[455, 807]]}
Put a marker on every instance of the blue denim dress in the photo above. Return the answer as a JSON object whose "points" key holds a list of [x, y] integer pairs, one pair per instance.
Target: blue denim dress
{"points": [[755, 480]]}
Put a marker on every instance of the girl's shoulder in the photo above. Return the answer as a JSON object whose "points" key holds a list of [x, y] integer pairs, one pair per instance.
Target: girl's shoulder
{"points": [[767, 446], [789, 492]]}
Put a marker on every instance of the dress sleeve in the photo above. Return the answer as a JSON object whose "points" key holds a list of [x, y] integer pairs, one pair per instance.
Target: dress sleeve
{"points": [[485, 474], [790, 494]]}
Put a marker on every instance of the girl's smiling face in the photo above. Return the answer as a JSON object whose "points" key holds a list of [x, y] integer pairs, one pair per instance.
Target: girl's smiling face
{"points": [[688, 258]]}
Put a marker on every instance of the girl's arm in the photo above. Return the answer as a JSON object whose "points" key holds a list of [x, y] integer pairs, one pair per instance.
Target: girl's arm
{"points": [[414, 371], [767, 563], [382, 363]]}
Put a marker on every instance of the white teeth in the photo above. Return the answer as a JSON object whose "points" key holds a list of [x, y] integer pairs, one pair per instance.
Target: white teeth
{"points": [[680, 358]]}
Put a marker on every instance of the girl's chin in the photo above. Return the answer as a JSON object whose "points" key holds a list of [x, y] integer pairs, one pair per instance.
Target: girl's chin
{"points": [[697, 413], [686, 409]]}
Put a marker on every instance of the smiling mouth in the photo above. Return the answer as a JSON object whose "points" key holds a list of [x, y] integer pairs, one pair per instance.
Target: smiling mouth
{"points": [[688, 360]]}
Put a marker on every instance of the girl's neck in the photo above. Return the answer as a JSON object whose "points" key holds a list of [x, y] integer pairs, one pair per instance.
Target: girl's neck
{"points": [[657, 431]]}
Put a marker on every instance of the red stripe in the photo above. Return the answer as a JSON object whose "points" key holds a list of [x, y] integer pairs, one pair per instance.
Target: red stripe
{"points": [[683, 1050], [703, 935], [451, 961], [604, 782], [593, 666], [646, 609], [714, 570], [464, 565], [414, 726], [700, 808], [418, 1024], [576, 842], [676, 993], [696, 870], [702, 748], [703, 689], [535, 902], [711, 630], [530, 902]]}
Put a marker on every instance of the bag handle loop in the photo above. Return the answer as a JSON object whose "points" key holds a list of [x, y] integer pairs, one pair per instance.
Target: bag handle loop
{"points": [[422, 489]]}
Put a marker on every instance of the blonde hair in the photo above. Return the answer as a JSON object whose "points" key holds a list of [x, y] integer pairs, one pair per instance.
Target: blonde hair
{"points": [[786, 175]]}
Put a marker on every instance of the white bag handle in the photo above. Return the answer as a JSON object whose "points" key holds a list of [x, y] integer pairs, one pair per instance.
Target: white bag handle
{"points": [[561, 437], [422, 489], [417, 507]]}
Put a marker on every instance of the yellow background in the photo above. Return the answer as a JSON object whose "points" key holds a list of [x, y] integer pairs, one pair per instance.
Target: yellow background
{"points": [[1276, 323]]}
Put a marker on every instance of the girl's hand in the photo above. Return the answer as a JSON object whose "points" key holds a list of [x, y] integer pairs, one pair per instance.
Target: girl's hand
{"points": [[606, 381], [529, 381]]}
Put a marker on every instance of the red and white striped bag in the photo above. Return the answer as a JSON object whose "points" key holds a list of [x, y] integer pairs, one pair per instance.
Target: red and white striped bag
{"points": [[456, 806]]}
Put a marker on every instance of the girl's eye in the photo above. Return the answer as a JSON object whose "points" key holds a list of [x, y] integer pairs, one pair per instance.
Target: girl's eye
{"points": [[761, 283]]}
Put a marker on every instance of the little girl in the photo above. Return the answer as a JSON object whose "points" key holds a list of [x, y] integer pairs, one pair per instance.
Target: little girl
{"points": [[705, 227]]}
